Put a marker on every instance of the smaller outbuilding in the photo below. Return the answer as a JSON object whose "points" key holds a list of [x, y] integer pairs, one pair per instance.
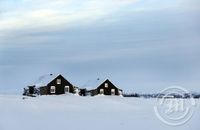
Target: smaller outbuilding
{"points": [[82, 92]]}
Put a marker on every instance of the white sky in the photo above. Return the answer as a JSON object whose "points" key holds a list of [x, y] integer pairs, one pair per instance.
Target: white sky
{"points": [[141, 45]]}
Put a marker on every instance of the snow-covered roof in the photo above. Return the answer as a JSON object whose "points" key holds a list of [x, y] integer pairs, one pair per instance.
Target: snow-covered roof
{"points": [[93, 84], [44, 80]]}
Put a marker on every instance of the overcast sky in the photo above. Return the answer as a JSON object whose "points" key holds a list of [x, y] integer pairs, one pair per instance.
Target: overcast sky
{"points": [[141, 45]]}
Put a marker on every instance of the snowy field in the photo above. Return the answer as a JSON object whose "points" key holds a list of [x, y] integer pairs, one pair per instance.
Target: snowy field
{"points": [[69, 112]]}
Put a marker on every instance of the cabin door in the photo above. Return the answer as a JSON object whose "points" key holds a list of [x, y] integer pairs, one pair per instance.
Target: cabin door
{"points": [[112, 91], [66, 89]]}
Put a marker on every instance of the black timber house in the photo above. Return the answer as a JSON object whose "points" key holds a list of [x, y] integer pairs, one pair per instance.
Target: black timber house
{"points": [[102, 87], [50, 85]]}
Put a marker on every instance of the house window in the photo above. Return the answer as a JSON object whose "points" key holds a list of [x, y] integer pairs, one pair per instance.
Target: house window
{"points": [[112, 91], [66, 89], [101, 91], [106, 85], [58, 81], [53, 89]]}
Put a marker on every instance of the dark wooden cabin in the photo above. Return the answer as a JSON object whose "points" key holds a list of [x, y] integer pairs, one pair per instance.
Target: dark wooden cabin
{"points": [[104, 87], [54, 85]]}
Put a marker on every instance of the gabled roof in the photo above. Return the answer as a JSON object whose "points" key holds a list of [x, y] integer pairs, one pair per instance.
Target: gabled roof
{"points": [[44, 80], [93, 84]]}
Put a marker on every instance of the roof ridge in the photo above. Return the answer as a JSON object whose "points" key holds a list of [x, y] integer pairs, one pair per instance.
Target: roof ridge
{"points": [[94, 83], [45, 79]]}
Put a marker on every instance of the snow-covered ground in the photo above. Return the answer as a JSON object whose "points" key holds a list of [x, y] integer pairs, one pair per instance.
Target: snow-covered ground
{"points": [[68, 112]]}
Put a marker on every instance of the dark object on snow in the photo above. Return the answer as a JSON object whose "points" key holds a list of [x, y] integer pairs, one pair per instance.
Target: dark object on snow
{"points": [[131, 95], [82, 92], [196, 95], [31, 91], [24, 98]]}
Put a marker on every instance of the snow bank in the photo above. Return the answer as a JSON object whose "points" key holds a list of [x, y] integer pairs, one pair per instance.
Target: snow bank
{"points": [[68, 112]]}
